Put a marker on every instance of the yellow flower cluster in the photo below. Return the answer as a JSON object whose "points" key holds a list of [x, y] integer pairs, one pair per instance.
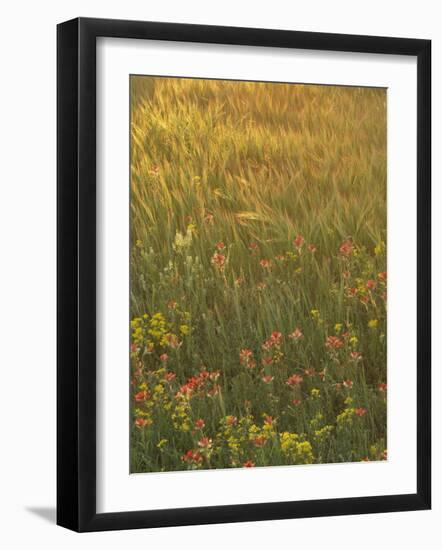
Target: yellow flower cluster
{"points": [[181, 416], [158, 332], [299, 452], [379, 248], [345, 418], [316, 421], [323, 433]]}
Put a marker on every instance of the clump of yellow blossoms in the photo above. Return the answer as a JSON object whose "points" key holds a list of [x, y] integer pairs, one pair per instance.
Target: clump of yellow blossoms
{"points": [[158, 332], [345, 418], [299, 452]]}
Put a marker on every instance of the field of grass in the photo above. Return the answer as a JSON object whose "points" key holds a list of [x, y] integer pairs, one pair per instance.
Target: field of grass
{"points": [[258, 274]]}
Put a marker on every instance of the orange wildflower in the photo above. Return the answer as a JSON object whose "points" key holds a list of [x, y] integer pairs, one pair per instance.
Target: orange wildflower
{"points": [[333, 342], [208, 218], [172, 340], [274, 340], [141, 396], [199, 424], [299, 241], [296, 334], [371, 284], [294, 380], [192, 456], [205, 443], [346, 248], [266, 264], [218, 260], [231, 420], [245, 355]]}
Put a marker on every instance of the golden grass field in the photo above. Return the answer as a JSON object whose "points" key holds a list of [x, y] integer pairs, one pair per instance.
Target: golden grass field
{"points": [[258, 274]]}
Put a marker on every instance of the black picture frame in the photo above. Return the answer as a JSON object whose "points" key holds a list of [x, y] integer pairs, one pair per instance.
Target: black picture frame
{"points": [[77, 287]]}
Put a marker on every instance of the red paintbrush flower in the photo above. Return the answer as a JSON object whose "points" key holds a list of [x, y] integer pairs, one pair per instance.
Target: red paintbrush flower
{"points": [[294, 380]]}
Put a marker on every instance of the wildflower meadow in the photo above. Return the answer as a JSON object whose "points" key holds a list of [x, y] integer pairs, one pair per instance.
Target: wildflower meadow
{"points": [[258, 274]]}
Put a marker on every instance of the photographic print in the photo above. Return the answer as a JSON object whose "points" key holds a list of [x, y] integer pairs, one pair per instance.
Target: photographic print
{"points": [[258, 278]]}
